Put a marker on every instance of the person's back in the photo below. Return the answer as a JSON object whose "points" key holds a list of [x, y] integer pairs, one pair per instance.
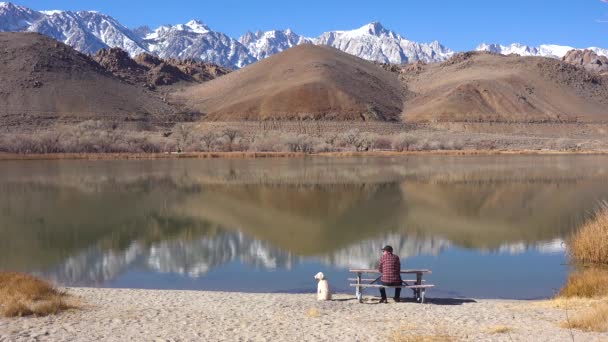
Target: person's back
{"points": [[390, 268]]}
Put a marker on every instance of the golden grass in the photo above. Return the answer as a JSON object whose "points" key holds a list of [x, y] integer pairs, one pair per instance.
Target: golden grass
{"points": [[313, 313], [25, 295], [399, 336], [595, 319], [501, 329], [587, 283], [406, 333], [589, 245]]}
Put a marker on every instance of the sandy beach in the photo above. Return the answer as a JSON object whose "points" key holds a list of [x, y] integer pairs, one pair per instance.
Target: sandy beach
{"points": [[147, 315]]}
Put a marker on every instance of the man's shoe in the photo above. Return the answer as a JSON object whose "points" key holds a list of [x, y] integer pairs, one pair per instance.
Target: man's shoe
{"points": [[383, 301], [397, 299]]}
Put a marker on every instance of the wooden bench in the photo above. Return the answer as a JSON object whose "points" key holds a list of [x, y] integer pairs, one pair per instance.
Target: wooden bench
{"points": [[418, 286]]}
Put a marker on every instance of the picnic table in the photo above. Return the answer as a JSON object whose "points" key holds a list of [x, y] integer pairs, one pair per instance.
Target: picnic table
{"points": [[418, 285]]}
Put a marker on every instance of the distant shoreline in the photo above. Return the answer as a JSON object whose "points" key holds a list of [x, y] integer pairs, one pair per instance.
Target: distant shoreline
{"points": [[257, 155]]}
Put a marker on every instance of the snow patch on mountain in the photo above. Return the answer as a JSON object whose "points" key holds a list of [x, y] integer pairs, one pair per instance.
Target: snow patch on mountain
{"points": [[376, 43], [264, 44], [196, 40], [372, 42], [545, 50], [16, 18]]}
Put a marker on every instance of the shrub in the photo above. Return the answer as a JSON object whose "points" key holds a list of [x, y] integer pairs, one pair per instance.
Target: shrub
{"points": [[321, 147], [589, 245], [24, 295], [595, 319], [382, 143], [269, 143], [587, 283], [352, 138], [403, 142]]}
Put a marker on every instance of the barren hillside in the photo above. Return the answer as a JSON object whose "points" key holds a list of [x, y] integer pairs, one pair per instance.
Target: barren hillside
{"points": [[45, 82], [487, 87], [304, 82]]}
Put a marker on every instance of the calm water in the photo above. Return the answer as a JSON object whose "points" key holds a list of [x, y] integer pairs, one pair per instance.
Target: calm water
{"points": [[486, 226]]}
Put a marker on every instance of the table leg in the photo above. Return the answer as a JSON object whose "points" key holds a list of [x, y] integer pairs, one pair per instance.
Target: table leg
{"points": [[418, 282], [358, 292]]}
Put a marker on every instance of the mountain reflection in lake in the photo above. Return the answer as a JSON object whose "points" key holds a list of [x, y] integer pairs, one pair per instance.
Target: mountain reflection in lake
{"points": [[490, 226]]}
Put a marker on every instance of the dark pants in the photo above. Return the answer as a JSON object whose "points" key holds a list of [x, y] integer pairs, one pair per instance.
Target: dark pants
{"points": [[397, 290]]}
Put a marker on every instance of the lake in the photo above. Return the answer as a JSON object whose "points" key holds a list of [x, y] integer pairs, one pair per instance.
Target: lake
{"points": [[488, 226]]}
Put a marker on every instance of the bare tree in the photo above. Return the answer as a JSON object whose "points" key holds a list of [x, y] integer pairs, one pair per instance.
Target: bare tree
{"points": [[231, 134]]}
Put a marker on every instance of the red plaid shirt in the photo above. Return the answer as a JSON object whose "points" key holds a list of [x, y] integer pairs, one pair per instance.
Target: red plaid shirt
{"points": [[390, 267]]}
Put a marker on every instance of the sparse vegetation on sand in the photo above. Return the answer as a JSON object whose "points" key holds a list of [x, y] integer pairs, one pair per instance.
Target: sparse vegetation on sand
{"points": [[589, 245], [500, 329], [594, 319], [402, 337], [25, 295], [277, 137]]}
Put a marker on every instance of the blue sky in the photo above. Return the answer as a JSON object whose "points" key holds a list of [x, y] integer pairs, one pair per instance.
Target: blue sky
{"points": [[460, 25]]}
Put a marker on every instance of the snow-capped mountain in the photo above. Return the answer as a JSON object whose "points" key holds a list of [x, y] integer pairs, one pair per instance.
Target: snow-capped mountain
{"points": [[264, 44], [375, 43], [546, 50], [372, 42], [196, 40], [16, 18], [87, 32]]}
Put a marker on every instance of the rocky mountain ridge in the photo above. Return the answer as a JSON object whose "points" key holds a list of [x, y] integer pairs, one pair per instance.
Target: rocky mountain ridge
{"points": [[90, 31], [545, 50]]}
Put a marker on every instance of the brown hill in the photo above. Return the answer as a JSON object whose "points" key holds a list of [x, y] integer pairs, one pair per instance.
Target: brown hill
{"points": [[487, 87], [44, 82], [304, 82], [151, 71]]}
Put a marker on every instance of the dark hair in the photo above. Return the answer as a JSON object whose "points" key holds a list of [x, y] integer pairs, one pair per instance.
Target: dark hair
{"points": [[388, 249]]}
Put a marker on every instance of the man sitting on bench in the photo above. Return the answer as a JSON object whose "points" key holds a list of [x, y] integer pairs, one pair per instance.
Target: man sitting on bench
{"points": [[390, 267]]}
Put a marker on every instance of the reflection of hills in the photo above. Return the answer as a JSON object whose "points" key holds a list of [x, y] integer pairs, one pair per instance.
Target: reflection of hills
{"points": [[173, 215], [488, 215], [306, 220]]}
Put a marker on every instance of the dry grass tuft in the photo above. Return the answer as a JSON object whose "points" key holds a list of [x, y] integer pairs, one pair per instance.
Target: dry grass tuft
{"points": [[399, 336], [25, 295], [313, 313], [406, 333], [589, 245], [588, 283], [595, 319], [501, 329]]}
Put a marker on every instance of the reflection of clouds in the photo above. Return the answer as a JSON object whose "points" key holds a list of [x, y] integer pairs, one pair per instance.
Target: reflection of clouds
{"points": [[550, 247]]}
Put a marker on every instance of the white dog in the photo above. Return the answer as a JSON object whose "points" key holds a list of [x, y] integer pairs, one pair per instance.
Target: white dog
{"points": [[323, 291]]}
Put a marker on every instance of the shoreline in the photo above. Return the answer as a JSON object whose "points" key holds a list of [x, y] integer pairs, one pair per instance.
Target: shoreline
{"points": [[261, 155], [177, 315]]}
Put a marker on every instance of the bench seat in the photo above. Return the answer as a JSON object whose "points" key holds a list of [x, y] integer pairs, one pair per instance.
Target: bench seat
{"points": [[404, 280], [423, 286]]}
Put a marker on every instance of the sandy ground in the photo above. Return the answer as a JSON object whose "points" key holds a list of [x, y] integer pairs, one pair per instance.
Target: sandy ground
{"points": [[144, 315]]}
